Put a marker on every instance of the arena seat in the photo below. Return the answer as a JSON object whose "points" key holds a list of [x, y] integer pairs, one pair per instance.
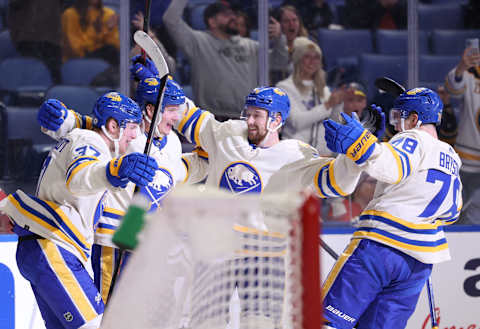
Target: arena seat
{"points": [[451, 42], [343, 43], [435, 68], [24, 78], [82, 71], [373, 66], [7, 48], [395, 42], [78, 98], [441, 16]]}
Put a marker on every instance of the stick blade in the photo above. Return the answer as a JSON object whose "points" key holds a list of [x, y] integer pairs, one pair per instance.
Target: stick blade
{"points": [[389, 86], [143, 40]]}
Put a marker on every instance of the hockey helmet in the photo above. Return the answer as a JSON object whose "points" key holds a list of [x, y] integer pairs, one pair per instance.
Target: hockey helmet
{"points": [[147, 92], [115, 105], [272, 99], [423, 101]]}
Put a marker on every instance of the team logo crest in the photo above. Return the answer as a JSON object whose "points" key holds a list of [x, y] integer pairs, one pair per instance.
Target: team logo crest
{"points": [[415, 91], [159, 188], [241, 178], [114, 96], [152, 81]]}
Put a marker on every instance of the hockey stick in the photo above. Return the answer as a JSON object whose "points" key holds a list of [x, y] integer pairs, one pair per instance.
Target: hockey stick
{"points": [[131, 225], [146, 26], [431, 303], [389, 86]]}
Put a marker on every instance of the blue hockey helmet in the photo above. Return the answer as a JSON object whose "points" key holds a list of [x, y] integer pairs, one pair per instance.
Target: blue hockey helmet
{"points": [[423, 101], [117, 106], [272, 99], [147, 92]]}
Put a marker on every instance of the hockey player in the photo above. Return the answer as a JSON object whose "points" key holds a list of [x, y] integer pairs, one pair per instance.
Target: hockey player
{"points": [[56, 227], [463, 82], [378, 279], [166, 150]]}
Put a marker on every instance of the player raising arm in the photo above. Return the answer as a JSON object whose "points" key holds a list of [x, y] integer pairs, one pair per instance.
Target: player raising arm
{"points": [[56, 227], [247, 156], [378, 279]]}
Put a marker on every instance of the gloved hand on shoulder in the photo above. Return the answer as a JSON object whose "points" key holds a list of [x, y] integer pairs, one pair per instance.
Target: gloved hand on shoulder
{"points": [[136, 167]]}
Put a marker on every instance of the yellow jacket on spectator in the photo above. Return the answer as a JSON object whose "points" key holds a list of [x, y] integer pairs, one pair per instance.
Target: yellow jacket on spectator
{"points": [[78, 41]]}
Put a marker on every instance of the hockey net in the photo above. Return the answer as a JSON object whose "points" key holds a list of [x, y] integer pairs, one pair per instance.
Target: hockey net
{"points": [[214, 260]]}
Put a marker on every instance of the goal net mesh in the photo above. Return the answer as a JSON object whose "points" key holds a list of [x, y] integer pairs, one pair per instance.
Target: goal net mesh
{"points": [[209, 259]]}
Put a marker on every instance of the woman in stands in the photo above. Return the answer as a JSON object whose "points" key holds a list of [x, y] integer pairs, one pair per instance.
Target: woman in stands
{"points": [[311, 99], [90, 30]]}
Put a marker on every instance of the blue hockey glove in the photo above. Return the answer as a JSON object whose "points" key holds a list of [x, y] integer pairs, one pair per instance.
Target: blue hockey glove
{"points": [[350, 138], [51, 114], [134, 167], [140, 71], [379, 120]]}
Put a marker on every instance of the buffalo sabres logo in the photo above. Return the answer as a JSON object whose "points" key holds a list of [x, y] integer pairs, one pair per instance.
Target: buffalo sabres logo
{"points": [[415, 91], [114, 96], [152, 81], [241, 178], [159, 188]]}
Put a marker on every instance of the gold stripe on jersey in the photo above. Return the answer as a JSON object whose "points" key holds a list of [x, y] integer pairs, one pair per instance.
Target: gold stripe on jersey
{"points": [[78, 118], [186, 117], [318, 184], [384, 214], [54, 230], [395, 243], [251, 230], [333, 182], [398, 161], [187, 165], [104, 230], [78, 165], [68, 280], [337, 267], [197, 126], [107, 260]]}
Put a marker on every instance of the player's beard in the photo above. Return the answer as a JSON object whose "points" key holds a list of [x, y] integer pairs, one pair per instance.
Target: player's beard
{"points": [[257, 136]]}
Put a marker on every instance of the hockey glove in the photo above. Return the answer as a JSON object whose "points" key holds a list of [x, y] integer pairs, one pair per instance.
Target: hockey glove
{"points": [[52, 114], [375, 120], [140, 71], [350, 138], [134, 167]]}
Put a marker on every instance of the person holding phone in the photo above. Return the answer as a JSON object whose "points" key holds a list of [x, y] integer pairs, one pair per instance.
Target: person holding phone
{"points": [[463, 83]]}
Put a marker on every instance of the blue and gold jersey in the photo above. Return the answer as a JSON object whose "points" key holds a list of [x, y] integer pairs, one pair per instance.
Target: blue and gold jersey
{"points": [[418, 192], [288, 166]]}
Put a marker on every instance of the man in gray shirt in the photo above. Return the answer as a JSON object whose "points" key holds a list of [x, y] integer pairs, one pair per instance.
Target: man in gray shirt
{"points": [[224, 65]]}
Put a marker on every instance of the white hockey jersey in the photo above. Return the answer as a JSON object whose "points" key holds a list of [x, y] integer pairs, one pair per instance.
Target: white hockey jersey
{"points": [[418, 192], [288, 166], [173, 169], [467, 143], [70, 193]]}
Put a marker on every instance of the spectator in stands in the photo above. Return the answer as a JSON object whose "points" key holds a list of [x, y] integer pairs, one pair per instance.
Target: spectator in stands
{"points": [[90, 30], [311, 99], [35, 30], [462, 83], [137, 23], [243, 24], [316, 14], [380, 14], [292, 27], [448, 129], [224, 65]]}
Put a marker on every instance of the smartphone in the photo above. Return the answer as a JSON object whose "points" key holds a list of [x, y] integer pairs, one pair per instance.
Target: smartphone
{"points": [[474, 47]]}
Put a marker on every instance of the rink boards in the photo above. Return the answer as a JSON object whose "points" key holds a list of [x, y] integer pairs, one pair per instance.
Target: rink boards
{"points": [[456, 283]]}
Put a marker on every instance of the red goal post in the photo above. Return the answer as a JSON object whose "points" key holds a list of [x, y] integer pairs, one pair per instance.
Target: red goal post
{"points": [[210, 259]]}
